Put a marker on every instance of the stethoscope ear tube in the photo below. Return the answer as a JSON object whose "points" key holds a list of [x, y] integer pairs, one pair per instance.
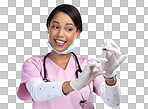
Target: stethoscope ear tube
{"points": [[45, 79], [79, 68], [77, 71]]}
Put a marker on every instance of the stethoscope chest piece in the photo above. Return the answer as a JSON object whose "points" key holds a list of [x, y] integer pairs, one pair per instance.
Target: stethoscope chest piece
{"points": [[83, 101], [45, 80]]}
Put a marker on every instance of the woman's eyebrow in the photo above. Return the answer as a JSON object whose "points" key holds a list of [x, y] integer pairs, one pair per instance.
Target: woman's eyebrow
{"points": [[59, 23], [55, 22], [69, 24]]}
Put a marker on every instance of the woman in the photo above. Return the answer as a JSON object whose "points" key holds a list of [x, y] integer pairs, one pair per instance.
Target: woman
{"points": [[64, 90]]}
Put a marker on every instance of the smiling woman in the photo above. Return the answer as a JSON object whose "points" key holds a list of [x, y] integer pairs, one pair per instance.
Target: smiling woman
{"points": [[62, 31], [60, 79]]}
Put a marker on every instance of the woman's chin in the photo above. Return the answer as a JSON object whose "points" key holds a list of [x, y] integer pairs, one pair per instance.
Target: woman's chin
{"points": [[58, 50]]}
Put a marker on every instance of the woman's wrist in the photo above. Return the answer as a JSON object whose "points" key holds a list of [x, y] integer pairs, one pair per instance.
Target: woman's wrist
{"points": [[111, 81], [66, 88]]}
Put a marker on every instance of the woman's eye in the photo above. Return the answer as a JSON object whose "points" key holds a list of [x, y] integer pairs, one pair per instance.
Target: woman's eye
{"points": [[56, 27], [69, 29]]}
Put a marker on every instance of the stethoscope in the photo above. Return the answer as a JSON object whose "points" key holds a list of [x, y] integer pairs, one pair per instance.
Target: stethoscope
{"points": [[78, 70]]}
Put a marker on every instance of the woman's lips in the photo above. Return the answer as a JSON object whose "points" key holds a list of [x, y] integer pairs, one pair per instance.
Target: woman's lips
{"points": [[59, 42]]}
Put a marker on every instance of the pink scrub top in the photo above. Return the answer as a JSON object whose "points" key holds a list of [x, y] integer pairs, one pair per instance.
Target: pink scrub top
{"points": [[33, 68]]}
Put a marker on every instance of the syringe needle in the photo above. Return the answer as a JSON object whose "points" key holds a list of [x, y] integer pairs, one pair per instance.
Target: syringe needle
{"points": [[107, 31]]}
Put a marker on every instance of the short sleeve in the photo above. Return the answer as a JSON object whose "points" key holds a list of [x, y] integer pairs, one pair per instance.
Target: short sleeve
{"points": [[97, 82], [30, 69]]}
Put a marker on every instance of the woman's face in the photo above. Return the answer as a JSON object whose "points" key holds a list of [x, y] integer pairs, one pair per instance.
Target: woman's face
{"points": [[62, 31]]}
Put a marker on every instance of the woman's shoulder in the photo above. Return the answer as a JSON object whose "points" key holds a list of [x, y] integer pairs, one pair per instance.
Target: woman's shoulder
{"points": [[35, 59], [82, 58]]}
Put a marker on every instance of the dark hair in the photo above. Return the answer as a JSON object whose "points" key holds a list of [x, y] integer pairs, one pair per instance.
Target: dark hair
{"points": [[71, 11]]}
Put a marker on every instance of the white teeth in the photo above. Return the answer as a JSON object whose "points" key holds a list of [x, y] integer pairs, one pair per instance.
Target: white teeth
{"points": [[60, 41]]}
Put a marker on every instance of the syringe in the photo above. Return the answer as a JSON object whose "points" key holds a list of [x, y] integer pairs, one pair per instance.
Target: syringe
{"points": [[105, 45]]}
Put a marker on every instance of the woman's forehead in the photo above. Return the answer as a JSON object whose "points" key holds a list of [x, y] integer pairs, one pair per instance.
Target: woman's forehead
{"points": [[62, 18]]}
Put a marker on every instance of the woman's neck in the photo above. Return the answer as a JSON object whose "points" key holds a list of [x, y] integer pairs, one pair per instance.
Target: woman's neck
{"points": [[59, 58]]}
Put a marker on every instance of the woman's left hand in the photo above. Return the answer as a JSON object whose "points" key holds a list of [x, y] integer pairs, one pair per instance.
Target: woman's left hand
{"points": [[87, 75], [114, 57]]}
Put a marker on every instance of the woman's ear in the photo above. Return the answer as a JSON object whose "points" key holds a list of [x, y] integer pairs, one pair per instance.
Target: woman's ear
{"points": [[78, 33], [48, 29]]}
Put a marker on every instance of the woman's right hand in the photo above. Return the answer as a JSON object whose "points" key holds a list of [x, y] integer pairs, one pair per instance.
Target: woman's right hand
{"points": [[87, 75], [114, 58]]}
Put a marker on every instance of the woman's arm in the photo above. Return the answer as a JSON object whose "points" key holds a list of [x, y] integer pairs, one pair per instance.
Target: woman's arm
{"points": [[66, 88], [110, 92], [43, 91]]}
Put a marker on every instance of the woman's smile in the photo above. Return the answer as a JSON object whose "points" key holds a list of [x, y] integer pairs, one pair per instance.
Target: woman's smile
{"points": [[59, 42]]}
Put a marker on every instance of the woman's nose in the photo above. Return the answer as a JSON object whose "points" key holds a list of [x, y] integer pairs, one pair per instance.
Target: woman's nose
{"points": [[61, 33]]}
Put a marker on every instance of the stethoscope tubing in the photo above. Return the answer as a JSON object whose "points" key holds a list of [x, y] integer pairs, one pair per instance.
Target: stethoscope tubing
{"points": [[78, 70]]}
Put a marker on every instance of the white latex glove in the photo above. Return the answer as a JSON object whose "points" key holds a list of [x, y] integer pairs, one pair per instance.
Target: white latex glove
{"points": [[86, 76], [114, 57]]}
